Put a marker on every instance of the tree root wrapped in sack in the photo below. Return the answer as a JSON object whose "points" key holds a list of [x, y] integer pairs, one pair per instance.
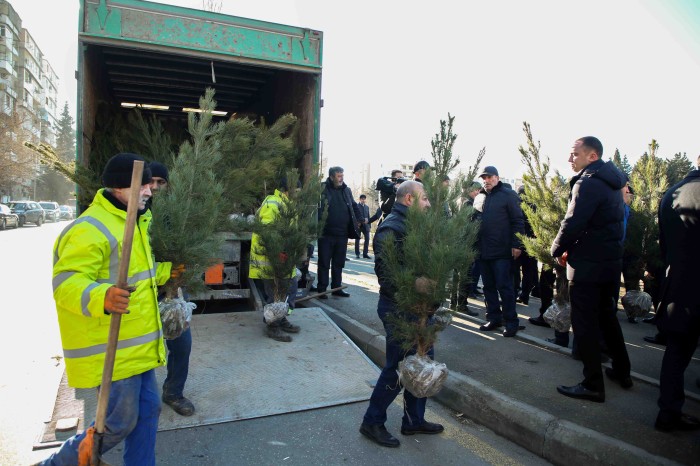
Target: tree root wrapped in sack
{"points": [[442, 318], [422, 376], [558, 316], [275, 311], [175, 314], [636, 303]]}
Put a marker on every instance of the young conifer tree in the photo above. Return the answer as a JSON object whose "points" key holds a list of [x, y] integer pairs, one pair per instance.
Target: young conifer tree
{"points": [[188, 213], [284, 241], [544, 203], [437, 243]]}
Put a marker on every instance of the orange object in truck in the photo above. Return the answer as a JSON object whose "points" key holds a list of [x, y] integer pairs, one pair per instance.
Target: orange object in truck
{"points": [[214, 275]]}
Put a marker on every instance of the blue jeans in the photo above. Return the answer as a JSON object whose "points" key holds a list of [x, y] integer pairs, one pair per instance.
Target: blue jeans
{"points": [[498, 280], [132, 416], [387, 388], [178, 365]]}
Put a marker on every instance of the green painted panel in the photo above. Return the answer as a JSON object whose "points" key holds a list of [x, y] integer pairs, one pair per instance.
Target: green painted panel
{"points": [[169, 26]]}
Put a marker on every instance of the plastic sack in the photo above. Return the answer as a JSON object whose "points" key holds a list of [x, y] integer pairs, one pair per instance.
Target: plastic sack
{"points": [[422, 376], [275, 311], [442, 318], [175, 314], [558, 316], [636, 303]]}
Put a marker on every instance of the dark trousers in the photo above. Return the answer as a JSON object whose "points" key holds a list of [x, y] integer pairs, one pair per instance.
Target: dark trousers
{"points": [[593, 314], [528, 265], [364, 231], [331, 256], [178, 365], [387, 388], [498, 280], [679, 351], [476, 274]]}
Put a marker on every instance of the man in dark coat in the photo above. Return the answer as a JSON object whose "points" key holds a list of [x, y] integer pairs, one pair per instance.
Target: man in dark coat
{"points": [[365, 223], [591, 235], [342, 222], [387, 387], [679, 310], [501, 220]]}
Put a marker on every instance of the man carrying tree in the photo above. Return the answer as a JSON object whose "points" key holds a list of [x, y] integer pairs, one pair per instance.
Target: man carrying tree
{"points": [[86, 259], [343, 222], [179, 348], [387, 387], [260, 266], [591, 236], [501, 221]]}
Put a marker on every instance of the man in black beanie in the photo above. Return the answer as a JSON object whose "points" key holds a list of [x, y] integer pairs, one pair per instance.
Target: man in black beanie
{"points": [[86, 263]]}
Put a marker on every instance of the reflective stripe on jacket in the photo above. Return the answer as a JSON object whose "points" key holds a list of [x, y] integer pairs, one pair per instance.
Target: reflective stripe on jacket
{"points": [[86, 260], [267, 213]]}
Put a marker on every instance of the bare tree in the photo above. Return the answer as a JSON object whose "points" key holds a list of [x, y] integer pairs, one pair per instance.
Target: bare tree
{"points": [[18, 163], [212, 5]]}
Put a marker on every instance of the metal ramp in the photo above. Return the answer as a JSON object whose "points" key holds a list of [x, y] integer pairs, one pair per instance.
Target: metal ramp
{"points": [[238, 373]]}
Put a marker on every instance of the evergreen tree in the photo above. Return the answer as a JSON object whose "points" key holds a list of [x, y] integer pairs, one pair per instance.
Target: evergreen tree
{"points": [[434, 247], [188, 213], [545, 202], [677, 168], [52, 184], [284, 241], [621, 162], [649, 183]]}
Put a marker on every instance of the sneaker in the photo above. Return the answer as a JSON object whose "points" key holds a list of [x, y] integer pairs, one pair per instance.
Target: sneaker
{"points": [[275, 332], [287, 326], [181, 406]]}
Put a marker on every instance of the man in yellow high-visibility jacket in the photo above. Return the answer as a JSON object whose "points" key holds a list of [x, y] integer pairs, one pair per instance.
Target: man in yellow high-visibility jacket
{"points": [[259, 263], [86, 257]]}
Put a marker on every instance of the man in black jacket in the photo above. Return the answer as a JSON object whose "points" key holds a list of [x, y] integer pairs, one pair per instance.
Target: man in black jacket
{"points": [[343, 222], [387, 387], [501, 219], [365, 223], [679, 311], [591, 235]]}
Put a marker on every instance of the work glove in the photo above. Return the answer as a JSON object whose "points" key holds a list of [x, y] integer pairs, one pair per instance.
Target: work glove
{"points": [[177, 271], [117, 300]]}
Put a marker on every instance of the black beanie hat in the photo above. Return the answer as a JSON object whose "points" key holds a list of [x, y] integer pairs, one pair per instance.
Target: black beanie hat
{"points": [[159, 170], [117, 172]]}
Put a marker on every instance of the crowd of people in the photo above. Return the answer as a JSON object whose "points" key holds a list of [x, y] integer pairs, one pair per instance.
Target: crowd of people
{"points": [[589, 244]]}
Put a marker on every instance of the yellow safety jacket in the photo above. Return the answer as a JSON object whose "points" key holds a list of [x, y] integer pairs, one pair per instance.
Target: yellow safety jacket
{"points": [[86, 260], [267, 213]]}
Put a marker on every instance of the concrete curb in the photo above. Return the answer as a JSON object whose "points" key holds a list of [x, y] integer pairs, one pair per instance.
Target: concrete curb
{"points": [[557, 440]]}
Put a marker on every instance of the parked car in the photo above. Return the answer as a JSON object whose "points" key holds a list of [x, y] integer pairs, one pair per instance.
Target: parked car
{"points": [[28, 211], [53, 213], [7, 218], [66, 212]]}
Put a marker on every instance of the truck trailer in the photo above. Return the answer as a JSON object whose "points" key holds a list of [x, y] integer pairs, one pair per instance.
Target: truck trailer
{"points": [[160, 58]]}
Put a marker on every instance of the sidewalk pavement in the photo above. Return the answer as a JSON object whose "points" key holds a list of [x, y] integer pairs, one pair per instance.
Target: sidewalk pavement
{"points": [[508, 385]]}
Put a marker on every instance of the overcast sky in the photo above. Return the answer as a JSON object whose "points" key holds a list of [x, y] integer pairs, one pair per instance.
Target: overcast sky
{"points": [[625, 71]]}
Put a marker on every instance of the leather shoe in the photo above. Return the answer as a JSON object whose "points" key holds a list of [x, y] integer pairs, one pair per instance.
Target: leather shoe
{"points": [[684, 422], [341, 293], [367, 257], [429, 428], [650, 319], [624, 381], [380, 435], [490, 326], [656, 339], [181, 406], [554, 340], [539, 321], [581, 392], [323, 296], [510, 333], [522, 300]]}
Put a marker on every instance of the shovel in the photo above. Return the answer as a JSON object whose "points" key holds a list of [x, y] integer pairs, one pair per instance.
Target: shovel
{"points": [[91, 446]]}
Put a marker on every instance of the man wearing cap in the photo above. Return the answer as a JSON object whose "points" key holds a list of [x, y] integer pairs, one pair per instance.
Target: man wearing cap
{"points": [[419, 170], [501, 220], [591, 235], [180, 348], [86, 262]]}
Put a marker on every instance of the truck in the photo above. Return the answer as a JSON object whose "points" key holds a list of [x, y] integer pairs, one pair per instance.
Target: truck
{"points": [[161, 58]]}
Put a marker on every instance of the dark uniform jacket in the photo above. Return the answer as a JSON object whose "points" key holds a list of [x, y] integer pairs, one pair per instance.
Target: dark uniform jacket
{"points": [[501, 219], [679, 238], [592, 228], [394, 226], [343, 212]]}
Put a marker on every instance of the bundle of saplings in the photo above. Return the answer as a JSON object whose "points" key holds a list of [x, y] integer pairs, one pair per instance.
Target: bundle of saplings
{"points": [[439, 241], [283, 241]]}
